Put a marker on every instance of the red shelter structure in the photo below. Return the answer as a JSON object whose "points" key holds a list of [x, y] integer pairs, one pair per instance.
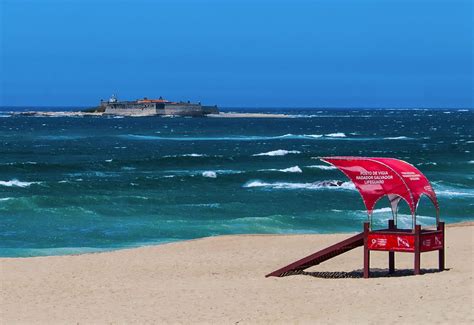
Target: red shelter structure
{"points": [[375, 178]]}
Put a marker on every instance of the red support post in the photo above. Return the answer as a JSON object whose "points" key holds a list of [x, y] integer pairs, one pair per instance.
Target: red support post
{"points": [[391, 255], [366, 251], [417, 249], [441, 251]]}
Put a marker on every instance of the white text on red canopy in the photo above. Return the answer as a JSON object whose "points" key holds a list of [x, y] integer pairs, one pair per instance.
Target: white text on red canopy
{"points": [[373, 176]]}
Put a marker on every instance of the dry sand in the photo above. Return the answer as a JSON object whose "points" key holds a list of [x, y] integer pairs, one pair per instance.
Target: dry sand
{"points": [[221, 280]]}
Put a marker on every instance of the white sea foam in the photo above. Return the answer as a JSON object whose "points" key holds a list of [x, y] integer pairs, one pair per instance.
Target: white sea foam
{"points": [[300, 186], [207, 205], [228, 171], [209, 174], [279, 152], [109, 160], [427, 163], [17, 183], [294, 169], [454, 193], [19, 163], [323, 167], [397, 138], [194, 155], [335, 135], [381, 210], [470, 162], [5, 198], [339, 135]]}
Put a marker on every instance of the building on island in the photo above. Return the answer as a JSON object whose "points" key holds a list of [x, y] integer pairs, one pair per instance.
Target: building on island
{"points": [[149, 107]]}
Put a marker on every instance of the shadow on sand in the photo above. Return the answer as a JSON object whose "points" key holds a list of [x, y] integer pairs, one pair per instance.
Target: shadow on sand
{"points": [[356, 274]]}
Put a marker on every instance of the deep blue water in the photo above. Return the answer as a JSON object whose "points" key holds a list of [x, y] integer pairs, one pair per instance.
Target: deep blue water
{"points": [[70, 184]]}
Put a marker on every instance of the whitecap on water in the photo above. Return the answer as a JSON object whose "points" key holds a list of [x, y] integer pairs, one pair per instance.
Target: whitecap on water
{"points": [[397, 138], [279, 152], [294, 169], [17, 183], [209, 174], [452, 191], [301, 186], [427, 163], [381, 210], [322, 167], [335, 135], [194, 155]]}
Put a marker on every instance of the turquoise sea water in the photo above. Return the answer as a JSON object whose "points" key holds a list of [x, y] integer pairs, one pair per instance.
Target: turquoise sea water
{"points": [[80, 184]]}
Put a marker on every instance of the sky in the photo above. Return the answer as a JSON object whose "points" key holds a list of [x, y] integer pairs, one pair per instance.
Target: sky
{"points": [[245, 53]]}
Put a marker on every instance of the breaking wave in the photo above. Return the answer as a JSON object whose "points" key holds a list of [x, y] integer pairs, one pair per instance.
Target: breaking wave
{"points": [[194, 155], [294, 169], [301, 186], [427, 163], [454, 193], [279, 152], [336, 135], [288, 136], [382, 210], [322, 167], [17, 183], [398, 138], [209, 174], [204, 173], [19, 163], [450, 191]]}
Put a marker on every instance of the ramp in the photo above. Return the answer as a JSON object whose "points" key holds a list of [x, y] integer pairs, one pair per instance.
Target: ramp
{"points": [[321, 256]]}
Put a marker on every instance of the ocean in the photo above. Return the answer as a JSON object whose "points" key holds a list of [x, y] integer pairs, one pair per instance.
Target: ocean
{"points": [[84, 184]]}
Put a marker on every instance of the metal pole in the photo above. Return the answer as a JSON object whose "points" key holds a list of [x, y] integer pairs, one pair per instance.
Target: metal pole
{"points": [[441, 251], [366, 251], [391, 255], [417, 249]]}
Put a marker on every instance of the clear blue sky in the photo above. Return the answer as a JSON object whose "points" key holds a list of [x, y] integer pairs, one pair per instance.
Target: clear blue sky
{"points": [[294, 53]]}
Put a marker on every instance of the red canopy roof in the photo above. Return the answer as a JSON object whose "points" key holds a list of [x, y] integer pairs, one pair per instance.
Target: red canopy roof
{"points": [[377, 177]]}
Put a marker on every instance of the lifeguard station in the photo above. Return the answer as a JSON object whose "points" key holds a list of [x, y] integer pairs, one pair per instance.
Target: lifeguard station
{"points": [[375, 178]]}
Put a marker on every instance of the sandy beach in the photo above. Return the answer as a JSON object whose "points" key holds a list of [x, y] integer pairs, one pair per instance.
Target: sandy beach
{"points": [[221, 280]]}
